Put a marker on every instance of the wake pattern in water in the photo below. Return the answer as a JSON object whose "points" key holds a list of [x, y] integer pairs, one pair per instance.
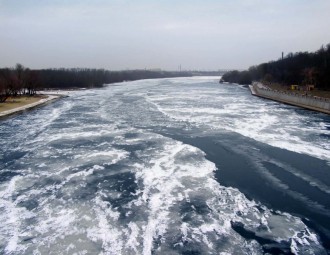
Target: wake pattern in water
{"points": [[87, 175], [229, 108]]}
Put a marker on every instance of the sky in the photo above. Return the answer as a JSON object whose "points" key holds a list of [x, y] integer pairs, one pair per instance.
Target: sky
{"points": [[139, 34]]}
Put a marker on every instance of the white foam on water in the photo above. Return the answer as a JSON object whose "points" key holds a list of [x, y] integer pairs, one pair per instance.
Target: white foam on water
{"points": [[80, 135], [177, 202], [170, 172], [232, 109], [57, 219], [133, 233], [10, 216], [40, 123], [160, 180], [112, 242], [85, 173], [107, 157]]}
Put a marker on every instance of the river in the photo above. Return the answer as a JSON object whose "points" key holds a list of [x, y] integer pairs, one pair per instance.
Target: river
{"points": [[165, 166]]}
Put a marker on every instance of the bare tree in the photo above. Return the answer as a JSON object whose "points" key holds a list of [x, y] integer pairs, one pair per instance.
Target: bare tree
{"points": [[20, 72], [32, 82], [3, 90]]}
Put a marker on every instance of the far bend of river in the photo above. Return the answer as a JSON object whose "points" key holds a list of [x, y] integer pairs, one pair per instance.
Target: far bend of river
{"points": [[165, 166]]}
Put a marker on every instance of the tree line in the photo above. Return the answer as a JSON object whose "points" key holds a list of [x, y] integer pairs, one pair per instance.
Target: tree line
{"points": [[295, 68], [18, 81], [23, 81], [94, 78]]}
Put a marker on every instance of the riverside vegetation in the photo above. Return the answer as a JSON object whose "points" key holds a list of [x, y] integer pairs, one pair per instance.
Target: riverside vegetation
{"points": [[18, 85], [24, 81], [301, 68]]}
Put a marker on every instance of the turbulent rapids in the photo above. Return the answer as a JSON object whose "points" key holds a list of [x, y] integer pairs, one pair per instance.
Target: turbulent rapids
{"points": [[148, 167]]}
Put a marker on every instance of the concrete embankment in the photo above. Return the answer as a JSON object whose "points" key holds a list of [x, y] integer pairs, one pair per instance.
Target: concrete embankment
{"points": [[309, 102]]}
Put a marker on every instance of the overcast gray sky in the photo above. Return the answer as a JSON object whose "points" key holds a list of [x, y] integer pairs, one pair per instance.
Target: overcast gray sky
{"points": [[127, 34]]}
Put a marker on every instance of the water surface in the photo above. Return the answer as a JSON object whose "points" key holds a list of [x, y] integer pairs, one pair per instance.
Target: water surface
{"points": [[165, 166]]}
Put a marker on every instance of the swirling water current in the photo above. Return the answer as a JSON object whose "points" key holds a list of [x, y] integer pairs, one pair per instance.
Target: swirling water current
{"points": [[165, 166]]}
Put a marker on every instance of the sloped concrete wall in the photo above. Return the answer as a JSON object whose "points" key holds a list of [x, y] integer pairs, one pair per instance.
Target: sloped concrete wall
{"points": [[309, 102]]}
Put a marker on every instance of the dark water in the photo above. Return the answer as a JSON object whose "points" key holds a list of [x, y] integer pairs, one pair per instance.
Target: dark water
{"points": [[168, 166]]}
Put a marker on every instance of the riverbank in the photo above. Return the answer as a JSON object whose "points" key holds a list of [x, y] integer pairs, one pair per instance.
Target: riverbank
{"points": [[315, 103], [21, 104], [314, 92]]}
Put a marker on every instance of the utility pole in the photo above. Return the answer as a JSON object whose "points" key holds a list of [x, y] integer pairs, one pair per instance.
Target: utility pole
{"points": [[282, 55]]}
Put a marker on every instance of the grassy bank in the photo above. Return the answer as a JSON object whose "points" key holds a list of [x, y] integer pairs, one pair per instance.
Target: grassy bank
{"points": [[19, 101]]}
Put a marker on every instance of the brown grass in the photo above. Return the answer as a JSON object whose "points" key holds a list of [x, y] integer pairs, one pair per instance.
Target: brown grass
{"points": [[15, 102]]}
